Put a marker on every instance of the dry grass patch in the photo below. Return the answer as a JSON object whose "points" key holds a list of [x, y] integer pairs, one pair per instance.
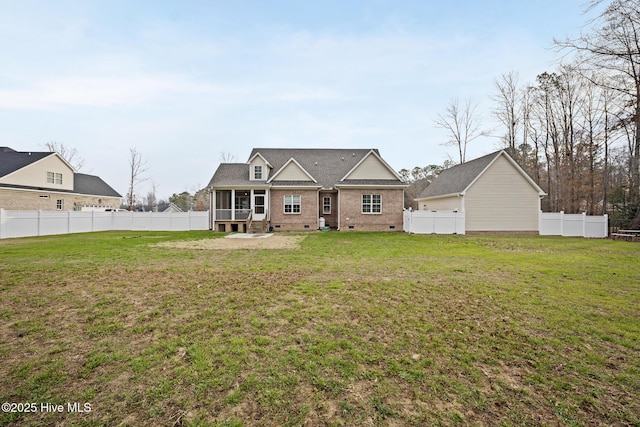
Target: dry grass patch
{"points": [[276, 241]]}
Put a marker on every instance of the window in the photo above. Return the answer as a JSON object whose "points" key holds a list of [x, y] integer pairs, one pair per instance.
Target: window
{"points": [[326, 205], [257, 172], [54, 178], [292, 203], [59, 204], [372, 203]]}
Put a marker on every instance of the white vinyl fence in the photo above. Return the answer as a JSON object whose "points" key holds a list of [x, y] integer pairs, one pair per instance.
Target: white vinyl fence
{"points": [[433, 222], [550, 224], [42, 223], [576, 225]]}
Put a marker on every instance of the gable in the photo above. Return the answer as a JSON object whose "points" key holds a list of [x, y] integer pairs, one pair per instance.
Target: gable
{"points": [[371, 167], [505, 172], [292, 171], [502, 178], [460, 178], [35, 174]]}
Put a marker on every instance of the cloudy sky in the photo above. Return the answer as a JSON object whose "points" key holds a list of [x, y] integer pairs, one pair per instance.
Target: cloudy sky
{"points": [[185, 81]]}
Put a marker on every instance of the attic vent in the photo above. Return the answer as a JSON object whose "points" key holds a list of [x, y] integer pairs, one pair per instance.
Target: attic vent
{"points": [[316, 163], [343, 158], [353, 154]]}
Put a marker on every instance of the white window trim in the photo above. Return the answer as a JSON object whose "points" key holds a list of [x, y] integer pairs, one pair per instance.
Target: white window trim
{"points": [[255, 172], [371, 204], [324, 212], [284, 206], [54, 178]]}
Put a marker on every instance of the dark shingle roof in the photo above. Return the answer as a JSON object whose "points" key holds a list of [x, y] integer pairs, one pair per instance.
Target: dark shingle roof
{"points": [[92, 185], [327, 166], [457, 178], [11, 161], [231, 174]]}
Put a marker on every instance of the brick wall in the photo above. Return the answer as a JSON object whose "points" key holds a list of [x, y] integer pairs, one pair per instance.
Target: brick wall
{"points": [[330, 220], [32, 200], [352, 218], [308, 215]]}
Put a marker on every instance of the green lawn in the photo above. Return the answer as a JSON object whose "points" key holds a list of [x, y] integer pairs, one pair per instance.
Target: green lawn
{"points": [[347, 329]]}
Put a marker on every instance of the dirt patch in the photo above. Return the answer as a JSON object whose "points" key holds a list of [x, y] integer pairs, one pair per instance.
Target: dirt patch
{"points": [[231, 244]]}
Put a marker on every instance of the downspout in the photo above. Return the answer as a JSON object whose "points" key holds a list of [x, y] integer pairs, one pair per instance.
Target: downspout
{"points": [[339, 205], [318, 208]]}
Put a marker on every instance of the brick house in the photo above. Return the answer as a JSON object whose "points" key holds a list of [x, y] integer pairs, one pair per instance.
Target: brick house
{"points": [[283, 189], [44, 180]]}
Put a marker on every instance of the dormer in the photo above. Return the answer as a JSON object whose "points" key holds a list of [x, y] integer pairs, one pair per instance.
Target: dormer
{"points": [[259, 168]]}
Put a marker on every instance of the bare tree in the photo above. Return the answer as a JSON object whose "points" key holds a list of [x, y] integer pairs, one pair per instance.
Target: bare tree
{"points": [[613, 48], [507, 107], [227, 157], [152, 199], [462, 123], [137, 167], [68, 153]]}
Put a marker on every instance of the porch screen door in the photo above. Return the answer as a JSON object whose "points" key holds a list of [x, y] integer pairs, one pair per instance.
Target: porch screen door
{"points": [[258, 204]]}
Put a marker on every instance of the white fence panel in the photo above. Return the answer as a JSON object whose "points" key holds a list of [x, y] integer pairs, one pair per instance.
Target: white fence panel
{"points": [[141, 221], [103, 221], [18, 223], [434, 222], [120, 220], [41, 223], [550, 224], [82, 223], [573, 225], [596, 226], [52, 222]]}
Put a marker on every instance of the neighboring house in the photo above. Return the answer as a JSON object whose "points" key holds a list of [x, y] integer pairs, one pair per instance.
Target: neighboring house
{"points": [[305, 189], [164, 207], [44, 180], [493, 191]]}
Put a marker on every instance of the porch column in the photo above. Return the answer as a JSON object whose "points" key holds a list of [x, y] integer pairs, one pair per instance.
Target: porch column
{"points": [[251, 201], [212, 210], [233, 205]]}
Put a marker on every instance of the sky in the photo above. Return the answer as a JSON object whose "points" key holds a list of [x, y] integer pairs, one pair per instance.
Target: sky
{"points": [[188, 82]]}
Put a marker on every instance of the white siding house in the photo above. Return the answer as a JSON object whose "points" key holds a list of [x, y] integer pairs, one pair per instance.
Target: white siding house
{"points": [[493, 191]]}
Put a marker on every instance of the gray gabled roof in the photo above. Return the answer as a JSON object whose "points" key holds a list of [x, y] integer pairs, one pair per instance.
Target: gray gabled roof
{"points": [[92, 185], [327, 166], [11, 161], [231, 174], [457, 179]]}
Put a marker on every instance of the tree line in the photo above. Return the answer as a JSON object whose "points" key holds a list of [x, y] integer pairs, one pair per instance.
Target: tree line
{"points": [[576, 129]]}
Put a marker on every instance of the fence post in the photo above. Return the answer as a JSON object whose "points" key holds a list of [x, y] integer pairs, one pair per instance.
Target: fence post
{"points": [[69, 222], [584, 224], [2, 223], [540, 222], [562, 223], [606, 226], [39, 222]]}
